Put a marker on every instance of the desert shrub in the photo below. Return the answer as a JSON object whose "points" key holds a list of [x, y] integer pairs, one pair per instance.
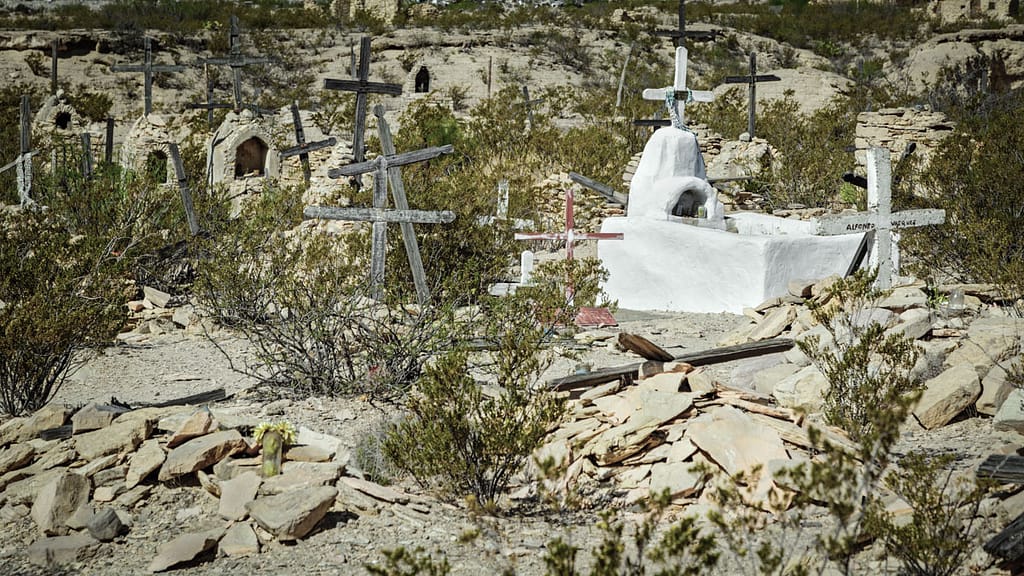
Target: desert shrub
{"points": [[401, 562], [684, 549], [868, 371], [93, 105], [300, 298], [463, 442], [39, 65], [56, 300], [983, 237], [941, 532]]}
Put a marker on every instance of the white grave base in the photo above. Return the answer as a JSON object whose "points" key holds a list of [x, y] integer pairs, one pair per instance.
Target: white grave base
{"points": [[666, 265]]}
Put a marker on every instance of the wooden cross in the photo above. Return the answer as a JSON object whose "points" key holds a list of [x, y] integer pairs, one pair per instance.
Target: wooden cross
{"points": [[362, 86], [529, 106], [23, 163], [210, 105], [751, 81], [602, 189], [677, 95], [386, 168], [147, 68], [880, 218], [656, 122], [679, 35], [302, 149], [186, 194], [236, 60], [570, 236]]}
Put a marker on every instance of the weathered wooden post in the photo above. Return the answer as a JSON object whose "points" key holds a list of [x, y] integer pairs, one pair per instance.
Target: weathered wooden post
{"points": [[108, 145], [186, 194], [86, 155], [751, 81], [53, 67], [148, 69], [302, 149], [23, 163]]}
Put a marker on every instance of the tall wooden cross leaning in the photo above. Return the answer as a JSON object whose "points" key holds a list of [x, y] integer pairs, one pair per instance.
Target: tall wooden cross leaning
{"points": [[186, 194], [529, 106], [677, 95], [302, 149], [147, 68], [23, 163], [236, 60], [386, 167], [880, 218], [751, 81], [362, 86], [570, 236]]}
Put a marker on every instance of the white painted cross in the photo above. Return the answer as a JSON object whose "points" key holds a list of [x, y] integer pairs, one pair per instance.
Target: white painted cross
{"points": [[678, 93], [880, 218]]}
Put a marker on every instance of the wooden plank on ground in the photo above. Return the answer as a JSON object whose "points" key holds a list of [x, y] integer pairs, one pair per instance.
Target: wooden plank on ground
{"points": [[701, 358], [644, 347], [1009, 544], [1003, 468]]}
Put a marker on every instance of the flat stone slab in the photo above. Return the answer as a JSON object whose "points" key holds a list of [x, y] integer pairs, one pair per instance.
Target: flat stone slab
{"points": [[58, 500], [239, 540], [236, 493], [947, 395], [200, 423], [292, 515], [296, 475], [119, 437], [201, 452], [145, 461], [184, 548], [375, 490], [57, 550], [94, 416], [15, 456]]}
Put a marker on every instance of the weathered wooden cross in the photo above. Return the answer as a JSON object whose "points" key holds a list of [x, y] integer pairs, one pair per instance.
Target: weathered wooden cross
{"points": [[678, 95], [602, 189], [186, 194], [302, 149], [23, 163], [362, 86], [570, 235], [386, 167], [529, 106], [210, 105], [751, 81], [880, 218], [147, 68], [236, 60], [680, 35]]}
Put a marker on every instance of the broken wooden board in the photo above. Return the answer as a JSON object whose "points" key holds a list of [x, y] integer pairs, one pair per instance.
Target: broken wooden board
{"points": [[644, 347], [1009, 544], [1003, 468], [702, 358]]}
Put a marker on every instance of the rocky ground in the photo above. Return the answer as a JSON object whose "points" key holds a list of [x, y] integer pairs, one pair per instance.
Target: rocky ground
{"points": [[358, 520]]}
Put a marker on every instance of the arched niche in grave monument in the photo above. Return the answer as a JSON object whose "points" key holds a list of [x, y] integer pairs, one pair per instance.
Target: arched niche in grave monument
{"points": [[144, 149], [63, 120], [251, 158], [422, 80]]}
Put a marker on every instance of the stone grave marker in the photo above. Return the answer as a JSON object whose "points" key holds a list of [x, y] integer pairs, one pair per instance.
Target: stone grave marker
{"points": [[148, 68], [678, 95], [23, 163], [751, 81], [236, 60], [880, 218], [362, 86], [386, 168], [186, 194], [302, 148]]}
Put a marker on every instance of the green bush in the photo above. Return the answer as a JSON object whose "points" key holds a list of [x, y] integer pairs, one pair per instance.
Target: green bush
{"points": [[58, 299], [464, 442]]}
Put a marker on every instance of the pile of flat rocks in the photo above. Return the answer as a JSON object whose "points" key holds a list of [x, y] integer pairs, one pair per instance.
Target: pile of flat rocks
{"points": [[632, 441], [81, 488]]}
